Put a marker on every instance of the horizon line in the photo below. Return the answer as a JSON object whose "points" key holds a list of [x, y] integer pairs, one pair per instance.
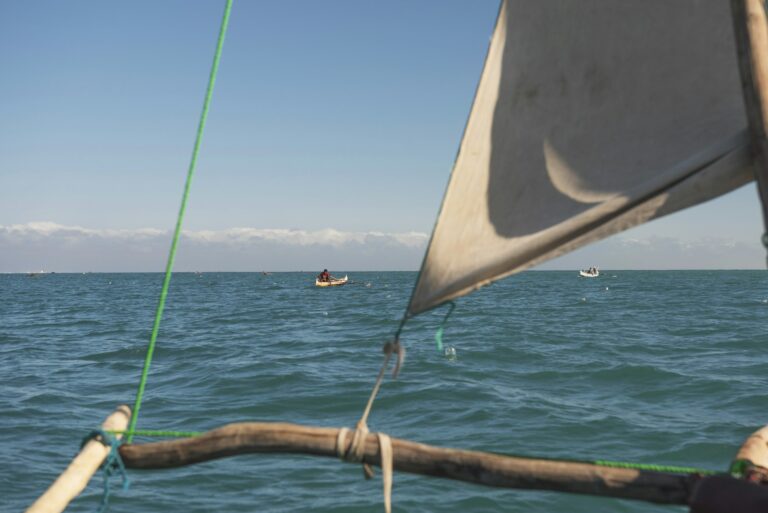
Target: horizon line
{"points": [[376, 271]]}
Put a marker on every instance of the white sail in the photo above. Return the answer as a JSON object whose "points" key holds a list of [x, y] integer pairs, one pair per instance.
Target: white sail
{"points": [[591, 117]]}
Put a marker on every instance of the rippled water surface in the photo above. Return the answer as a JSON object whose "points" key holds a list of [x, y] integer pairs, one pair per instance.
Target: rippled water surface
{"points": [[657, 367]]}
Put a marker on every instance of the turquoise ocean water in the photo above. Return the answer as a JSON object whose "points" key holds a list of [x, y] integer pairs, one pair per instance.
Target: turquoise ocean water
{"points": [[656, 367]]}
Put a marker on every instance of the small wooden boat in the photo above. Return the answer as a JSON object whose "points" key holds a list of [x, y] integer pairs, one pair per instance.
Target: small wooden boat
{"points": [[334, 282]]}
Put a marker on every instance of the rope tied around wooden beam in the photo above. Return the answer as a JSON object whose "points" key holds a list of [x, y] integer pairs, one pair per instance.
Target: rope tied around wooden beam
{"points": [[356, 449], [112, 463]]}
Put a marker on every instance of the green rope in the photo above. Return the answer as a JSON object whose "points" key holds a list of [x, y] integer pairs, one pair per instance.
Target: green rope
{"points": [[155, 433], [655, 468], [739, 468], [675, 469], [177, 231]]}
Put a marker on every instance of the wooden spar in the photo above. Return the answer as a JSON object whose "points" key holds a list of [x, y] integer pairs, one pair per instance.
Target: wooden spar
{"points": [[751, 32], [471, 466], [704, 494], [75, 478]]}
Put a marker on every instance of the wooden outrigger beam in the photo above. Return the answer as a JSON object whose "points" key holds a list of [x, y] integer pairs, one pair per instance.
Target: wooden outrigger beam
{"points": [[471, 466], [704, 494]]}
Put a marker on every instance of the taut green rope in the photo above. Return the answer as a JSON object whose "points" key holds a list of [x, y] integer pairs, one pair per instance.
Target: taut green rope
{"points": [[155, 433], [674, 469], [655, 468], [177, 231]]}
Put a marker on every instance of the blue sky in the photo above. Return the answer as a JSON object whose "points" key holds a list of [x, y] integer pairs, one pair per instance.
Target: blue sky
{"points": [[331, 135]]}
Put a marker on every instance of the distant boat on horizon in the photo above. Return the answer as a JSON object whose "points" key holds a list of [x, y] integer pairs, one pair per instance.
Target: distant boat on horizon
{"points": [[333, 282]]}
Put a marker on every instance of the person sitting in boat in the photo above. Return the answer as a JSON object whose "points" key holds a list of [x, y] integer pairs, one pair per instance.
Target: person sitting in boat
{"points": [[324, 276]]}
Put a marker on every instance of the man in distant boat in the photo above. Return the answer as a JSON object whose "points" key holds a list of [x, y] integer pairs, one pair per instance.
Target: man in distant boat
{"points": [[324, 276]]}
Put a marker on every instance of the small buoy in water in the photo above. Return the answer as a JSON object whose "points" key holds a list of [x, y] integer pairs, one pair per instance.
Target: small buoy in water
{"points": [[450, 352], [606, 288], [583, 300]]}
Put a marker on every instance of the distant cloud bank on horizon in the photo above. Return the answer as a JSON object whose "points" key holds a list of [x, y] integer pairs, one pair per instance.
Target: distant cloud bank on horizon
{"points": [[624, 251], [51, 246], [54, 247]]}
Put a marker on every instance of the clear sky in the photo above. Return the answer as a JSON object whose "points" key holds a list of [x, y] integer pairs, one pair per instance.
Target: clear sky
{"points": [[331, 135]]}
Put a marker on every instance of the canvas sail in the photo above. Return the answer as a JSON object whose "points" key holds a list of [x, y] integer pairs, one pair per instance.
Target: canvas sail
{"points": [[590, 117]]}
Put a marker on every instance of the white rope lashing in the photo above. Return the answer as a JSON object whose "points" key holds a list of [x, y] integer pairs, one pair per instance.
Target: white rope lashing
{"points": [[356, 450]]}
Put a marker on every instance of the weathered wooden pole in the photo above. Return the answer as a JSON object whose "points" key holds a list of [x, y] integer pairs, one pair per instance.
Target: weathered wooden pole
{"points": [[470, 466], [751, 32], [75, 478]]}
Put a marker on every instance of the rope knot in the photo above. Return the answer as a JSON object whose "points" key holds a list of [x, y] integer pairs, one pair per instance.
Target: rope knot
{"points": [[112, 465], [356, 452]]}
